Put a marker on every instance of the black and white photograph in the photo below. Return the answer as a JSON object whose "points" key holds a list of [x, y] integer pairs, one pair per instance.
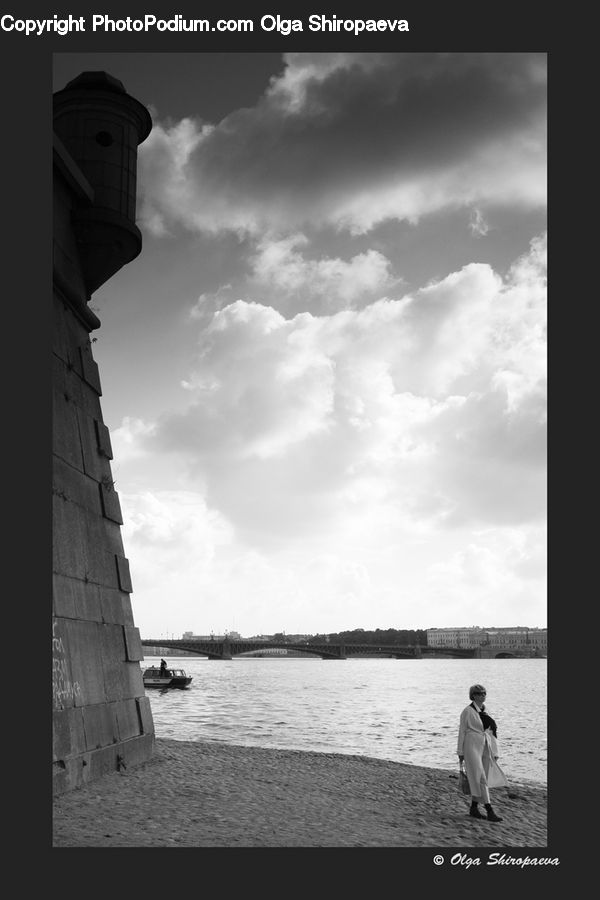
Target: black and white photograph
{"points": [[299, 443]]}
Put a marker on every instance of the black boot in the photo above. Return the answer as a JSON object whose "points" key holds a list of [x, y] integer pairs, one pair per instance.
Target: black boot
{"points": [[474, 811], [492, 817]]}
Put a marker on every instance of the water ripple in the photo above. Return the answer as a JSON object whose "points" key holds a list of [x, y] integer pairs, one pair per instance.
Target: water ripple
{"points": [[404, 710]]}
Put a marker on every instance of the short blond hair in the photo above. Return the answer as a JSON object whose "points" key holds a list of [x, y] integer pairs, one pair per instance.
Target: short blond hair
{"points": [[474, 689]]}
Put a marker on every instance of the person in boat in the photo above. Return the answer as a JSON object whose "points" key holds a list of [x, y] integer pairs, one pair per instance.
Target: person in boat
{"points": [[478, 750], [163, 668]]}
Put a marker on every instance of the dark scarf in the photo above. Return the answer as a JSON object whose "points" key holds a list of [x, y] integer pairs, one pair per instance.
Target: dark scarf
{"points": [[486, 720]]}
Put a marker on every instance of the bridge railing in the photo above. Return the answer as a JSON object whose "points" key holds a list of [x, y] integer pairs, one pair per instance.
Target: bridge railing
{"points": [[225, 649]]}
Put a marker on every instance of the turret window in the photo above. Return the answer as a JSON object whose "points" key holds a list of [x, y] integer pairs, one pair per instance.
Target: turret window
{"points": [[104, 138]]}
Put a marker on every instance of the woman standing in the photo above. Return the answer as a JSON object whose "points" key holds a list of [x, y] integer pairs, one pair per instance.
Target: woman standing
{"points": [[478, 748]]}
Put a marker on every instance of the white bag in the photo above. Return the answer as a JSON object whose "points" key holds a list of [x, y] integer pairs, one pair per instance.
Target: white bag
{"points": [[495, 775]]}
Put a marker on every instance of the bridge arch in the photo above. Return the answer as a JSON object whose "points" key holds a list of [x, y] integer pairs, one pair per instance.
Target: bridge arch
{"points": [[227, 649]]}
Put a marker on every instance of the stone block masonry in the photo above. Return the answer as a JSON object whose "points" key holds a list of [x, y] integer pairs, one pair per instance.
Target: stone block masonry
{"points": [[102, 721]]}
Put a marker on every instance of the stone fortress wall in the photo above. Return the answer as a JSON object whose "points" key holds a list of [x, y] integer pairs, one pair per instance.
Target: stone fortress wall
{"points": [[102, 719]]}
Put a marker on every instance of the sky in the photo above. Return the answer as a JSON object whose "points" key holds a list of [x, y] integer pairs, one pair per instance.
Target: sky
{"points": [[325, 374]]}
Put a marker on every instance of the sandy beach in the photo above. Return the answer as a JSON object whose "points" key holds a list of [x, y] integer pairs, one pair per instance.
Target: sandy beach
{"points": [[193, 794]]}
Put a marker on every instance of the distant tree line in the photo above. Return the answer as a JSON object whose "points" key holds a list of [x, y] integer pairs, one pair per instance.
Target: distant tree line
{"points": [[382, 636], [360, 636]]}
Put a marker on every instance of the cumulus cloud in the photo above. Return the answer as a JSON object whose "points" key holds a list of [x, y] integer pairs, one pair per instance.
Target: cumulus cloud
{"points": [[423, 412], [478, 224], [501, 573], [352, 140], [173, 535], [520, 334], [175, 521], [128, 441], [277, 263], [345, 440]]}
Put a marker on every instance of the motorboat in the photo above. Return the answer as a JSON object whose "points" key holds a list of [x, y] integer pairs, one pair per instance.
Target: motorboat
{"points": [[155, 677]]}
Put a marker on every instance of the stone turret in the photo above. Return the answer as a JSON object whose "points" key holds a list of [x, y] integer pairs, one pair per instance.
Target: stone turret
{"points": [[101, 126]]}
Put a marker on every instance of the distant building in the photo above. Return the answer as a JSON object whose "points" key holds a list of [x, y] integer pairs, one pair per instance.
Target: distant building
{"points": [[511, 638], [465, 638], [232, 635], [519, 638]]}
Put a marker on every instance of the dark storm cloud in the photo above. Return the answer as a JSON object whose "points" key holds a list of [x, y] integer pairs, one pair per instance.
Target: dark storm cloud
{"points": [[352, 139]]}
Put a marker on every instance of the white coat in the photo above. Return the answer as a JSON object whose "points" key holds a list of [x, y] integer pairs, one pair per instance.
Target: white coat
{"points": [[479, 748]]}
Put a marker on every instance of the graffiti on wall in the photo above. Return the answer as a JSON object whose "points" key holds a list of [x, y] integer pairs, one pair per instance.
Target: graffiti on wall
{"points": [[63, 689]]}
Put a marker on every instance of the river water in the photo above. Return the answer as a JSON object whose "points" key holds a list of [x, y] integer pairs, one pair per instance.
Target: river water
{"points": [[402, 710]]}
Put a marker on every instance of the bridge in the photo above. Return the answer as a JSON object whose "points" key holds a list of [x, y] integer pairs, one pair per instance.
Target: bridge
{"points": [[227, 649]]}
